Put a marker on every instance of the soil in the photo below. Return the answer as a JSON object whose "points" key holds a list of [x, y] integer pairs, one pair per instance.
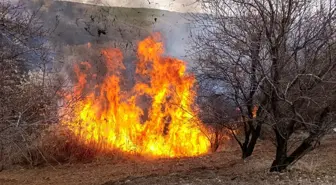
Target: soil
{"points": [[226, 167]]}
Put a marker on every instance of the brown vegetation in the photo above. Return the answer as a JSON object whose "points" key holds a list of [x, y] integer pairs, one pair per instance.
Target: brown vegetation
{"points": [[224, 167]]}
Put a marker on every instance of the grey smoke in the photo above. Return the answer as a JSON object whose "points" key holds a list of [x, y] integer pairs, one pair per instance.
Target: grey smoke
{"points": [[75, 25]]}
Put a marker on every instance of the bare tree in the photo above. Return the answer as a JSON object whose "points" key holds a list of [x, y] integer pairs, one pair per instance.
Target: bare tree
{"points": [[301, 84], [228, 51], [278, 56]]}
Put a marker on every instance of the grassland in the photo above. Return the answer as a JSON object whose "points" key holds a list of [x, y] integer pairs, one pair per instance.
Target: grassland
{"points": [[224, 167]]}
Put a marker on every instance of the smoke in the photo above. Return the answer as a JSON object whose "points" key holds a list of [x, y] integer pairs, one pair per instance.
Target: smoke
{"points": [[78, 24], [175, 31], [174, 26], [182, 6]]}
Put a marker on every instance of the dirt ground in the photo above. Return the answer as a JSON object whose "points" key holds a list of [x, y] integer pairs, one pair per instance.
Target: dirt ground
{"points": [[319, 167]]}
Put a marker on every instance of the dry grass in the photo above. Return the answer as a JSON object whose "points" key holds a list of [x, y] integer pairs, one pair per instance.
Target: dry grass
{"points": [[219, 168]]}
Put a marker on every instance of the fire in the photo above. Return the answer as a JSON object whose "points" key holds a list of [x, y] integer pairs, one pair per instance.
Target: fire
{"points": [[109, 118]]}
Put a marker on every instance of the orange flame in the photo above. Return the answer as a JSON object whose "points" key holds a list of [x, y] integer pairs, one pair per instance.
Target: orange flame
{"points": [[108, 118]]}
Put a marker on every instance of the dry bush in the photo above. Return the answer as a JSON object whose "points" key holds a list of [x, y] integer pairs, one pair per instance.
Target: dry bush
{"points": [[59, 146], [31, 110], [219, 136], [29, 85]]}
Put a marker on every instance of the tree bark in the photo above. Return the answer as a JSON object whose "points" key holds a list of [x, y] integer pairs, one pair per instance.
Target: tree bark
{"points": [[282, 161], [249, 145], [215, 144], [305, 146], [279, 164]]}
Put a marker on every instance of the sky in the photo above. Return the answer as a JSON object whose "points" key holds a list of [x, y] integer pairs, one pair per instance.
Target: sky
{"points": [[170, 5]]}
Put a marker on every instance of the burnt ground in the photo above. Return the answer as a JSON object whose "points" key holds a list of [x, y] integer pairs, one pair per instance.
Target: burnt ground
{"points": [[318, 167]]}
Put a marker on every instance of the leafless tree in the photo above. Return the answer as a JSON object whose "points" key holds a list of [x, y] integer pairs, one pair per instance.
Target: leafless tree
{"points": [[278, 56], [228, 51]]}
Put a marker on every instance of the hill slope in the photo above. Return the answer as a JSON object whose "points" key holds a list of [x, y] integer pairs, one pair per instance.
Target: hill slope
{"points": [[170, 5], [79, 24]]}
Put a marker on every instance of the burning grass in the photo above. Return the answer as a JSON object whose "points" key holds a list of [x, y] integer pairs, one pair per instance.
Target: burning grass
{"points": [[107, 118]]}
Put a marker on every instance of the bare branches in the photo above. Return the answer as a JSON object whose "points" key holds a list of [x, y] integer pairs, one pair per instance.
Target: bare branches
{"points": [[28, 102], [277, 52]]}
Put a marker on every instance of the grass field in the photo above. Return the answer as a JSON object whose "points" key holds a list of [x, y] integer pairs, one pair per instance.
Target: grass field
{"points": [[224, 167]]}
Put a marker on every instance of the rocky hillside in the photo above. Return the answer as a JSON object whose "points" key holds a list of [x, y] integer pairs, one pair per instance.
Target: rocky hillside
{"points": [[170, 5], [78, 24]]}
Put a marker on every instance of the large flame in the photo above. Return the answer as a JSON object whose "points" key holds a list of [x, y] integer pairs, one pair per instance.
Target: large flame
{"points": [[108, 118]]}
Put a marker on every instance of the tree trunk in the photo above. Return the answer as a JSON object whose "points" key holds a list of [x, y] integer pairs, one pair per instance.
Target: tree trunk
{"points": [[215, 144], [253, 142], [249, 145], [279, 164], [282, 161], [300, 151], [244, 151]]}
